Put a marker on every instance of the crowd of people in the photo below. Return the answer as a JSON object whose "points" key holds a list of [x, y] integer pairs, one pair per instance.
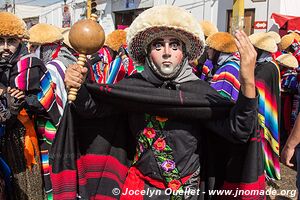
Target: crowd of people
{"points": [[165, 105]]}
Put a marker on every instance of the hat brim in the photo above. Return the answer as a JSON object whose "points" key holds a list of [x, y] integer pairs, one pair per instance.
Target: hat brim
{"points": [[137, 47]]}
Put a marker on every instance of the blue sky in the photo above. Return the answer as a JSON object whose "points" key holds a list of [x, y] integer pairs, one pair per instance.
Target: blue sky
{"points": [[32, 2]]}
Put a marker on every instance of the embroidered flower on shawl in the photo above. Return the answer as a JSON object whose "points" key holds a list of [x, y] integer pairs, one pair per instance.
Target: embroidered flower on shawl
{"points": [[160, 144], [149, 132], [174, 185], [161, 150], [168, 165]]}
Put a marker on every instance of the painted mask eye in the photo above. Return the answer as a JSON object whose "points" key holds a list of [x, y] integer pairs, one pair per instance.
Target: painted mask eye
{"points": [[175, 45], [157, 45]]}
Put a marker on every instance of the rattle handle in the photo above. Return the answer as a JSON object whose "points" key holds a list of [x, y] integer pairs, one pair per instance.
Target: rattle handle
{"points": [[73, 91]]}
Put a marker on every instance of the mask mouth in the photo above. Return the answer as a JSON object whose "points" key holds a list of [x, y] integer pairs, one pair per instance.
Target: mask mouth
{"points": [[159, 74]]}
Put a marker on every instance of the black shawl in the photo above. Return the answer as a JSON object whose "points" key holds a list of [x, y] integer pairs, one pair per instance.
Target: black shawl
{"points": [[91, 156]]}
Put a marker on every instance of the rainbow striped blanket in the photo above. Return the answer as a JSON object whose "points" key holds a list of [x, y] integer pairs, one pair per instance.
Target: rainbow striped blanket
{"points": [[31, 76], [267, 83]]}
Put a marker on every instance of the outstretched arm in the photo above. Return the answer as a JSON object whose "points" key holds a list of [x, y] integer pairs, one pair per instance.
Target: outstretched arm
{"points": [[248, 59], [293, 140], [85, 105]]}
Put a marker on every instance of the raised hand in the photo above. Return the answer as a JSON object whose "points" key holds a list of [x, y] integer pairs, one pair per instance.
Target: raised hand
{"points": [[248, 60]]}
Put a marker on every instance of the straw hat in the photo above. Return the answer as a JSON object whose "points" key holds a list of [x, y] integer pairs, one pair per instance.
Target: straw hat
{"points": [[44, 34], [222, 41], [297, 36], [287, 60], [264, 42], [164, 20], [12, 26], [208, 28], [275, 36], [116, 39], [286, 41]]}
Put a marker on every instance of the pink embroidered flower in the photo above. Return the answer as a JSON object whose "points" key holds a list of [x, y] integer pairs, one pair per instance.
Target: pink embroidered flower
{"points": [[168, 165], [141, 148], [160, 144], [161, 119], [149, 132], [174, 185]]}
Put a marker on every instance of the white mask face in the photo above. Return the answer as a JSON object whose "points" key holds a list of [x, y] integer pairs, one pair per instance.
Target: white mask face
{"points": [[166, 55]]}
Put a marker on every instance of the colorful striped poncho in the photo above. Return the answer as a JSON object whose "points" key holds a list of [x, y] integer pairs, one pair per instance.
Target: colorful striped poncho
{"points": [[267, 83], [31, 76], [111, 71], [206, 70], [100, 69], [57, 71], [53, 94], [45, 127], [224, 75], [37, 78], [226, 80]]}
